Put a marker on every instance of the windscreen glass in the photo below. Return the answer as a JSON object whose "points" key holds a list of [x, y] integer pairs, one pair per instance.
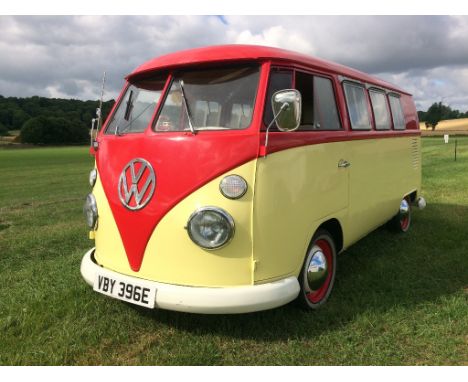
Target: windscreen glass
{"points": [[213, 99]]}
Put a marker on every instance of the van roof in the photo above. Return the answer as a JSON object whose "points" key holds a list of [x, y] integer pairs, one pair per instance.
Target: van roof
{"points": [[236, 53]]}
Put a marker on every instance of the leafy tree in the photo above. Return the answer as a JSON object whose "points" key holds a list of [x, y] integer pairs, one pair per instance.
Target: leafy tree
{"points": [[52, 130], [33, 130], [422, 116], [14, 112], [19, 118], [3, 130], [5, 117], [437, 112]]}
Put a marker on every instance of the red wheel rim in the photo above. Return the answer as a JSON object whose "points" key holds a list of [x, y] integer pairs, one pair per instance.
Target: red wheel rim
{"points": [[316, 296], [405, 220], [405, 223]]}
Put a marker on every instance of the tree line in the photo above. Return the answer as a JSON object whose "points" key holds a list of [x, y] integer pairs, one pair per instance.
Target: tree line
{"points": [[438, 112], [49, 120], [61, 121]]}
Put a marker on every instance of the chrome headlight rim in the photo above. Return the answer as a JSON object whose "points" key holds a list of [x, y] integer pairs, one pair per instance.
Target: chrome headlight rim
{"points": [[91, 205], [224, 214], [92, 177], [230, 196]]}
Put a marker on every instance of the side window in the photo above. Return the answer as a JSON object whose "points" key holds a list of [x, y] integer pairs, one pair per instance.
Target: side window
{"points": [[357, 107], [318, 103], [326, 114], [380, 109], [397, 113], [305, 85], [279, 80]]}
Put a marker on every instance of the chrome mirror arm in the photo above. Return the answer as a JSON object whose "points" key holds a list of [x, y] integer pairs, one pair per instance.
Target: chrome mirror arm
{"points": [[284, 106]]}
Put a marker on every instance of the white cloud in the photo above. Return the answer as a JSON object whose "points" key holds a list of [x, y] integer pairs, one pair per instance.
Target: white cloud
{"points": [[277, 36], [65, 56]]}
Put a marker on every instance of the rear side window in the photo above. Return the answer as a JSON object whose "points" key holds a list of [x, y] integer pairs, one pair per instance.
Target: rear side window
{"points": [[397, 113], [380, 109], [357, 107]]}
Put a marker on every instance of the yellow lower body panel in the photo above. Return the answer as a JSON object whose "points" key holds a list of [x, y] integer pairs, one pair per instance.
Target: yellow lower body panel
{"points": [[299, 189]]}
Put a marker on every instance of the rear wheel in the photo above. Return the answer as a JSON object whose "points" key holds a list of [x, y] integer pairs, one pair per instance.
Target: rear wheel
{"points": [[318, 271], [402, 220]]}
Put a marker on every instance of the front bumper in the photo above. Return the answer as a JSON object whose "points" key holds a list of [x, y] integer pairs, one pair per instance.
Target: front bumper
{"points": [[241, 299]]}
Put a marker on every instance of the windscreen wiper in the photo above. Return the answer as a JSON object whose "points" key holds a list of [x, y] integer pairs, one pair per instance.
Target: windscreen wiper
{"points": [[128, 111], [187, 110]]}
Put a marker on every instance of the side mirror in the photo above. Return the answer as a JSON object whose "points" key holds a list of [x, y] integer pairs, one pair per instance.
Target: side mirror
{"points": [[287, 108]]}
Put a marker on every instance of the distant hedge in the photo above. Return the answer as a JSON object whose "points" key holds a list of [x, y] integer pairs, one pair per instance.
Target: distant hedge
{"points": [[52, 130], [15, 112]]}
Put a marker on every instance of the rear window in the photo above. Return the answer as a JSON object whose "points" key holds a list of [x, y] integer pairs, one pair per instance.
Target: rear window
{"points": [[357, 107], [380, 109], [397, 113]]}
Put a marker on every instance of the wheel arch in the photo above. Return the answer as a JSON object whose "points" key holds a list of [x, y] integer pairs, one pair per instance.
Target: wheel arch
{"points": [[333, 226]]}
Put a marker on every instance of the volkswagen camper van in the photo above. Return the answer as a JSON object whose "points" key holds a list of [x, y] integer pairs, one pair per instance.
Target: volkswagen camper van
{"points": [[228, 179]]}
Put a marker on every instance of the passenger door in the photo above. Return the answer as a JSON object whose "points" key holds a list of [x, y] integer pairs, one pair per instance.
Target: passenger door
{"points": [[299, 184]]}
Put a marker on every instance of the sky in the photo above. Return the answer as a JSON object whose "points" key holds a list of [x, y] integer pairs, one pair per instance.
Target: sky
{"points": [[65, 56]]}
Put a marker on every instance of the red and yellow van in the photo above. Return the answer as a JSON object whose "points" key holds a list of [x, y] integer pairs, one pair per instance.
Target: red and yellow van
{"points": [[228, 178]]}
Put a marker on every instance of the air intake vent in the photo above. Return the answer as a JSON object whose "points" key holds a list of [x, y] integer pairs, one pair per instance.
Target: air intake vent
{"points": [[415, 153]]}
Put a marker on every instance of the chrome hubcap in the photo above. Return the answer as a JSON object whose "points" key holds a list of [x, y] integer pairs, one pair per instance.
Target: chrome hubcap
{"points": [[317, 270], [404, 209]]}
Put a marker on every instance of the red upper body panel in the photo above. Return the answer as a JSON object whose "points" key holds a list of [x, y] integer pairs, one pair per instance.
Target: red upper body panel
{"points": [[226, 53]]}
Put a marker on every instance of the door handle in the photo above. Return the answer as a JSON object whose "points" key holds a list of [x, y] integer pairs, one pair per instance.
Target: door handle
{"points": [[343, 163]]}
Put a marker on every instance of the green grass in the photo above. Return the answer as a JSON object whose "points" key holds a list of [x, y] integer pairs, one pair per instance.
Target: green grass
{"points": [[398, 299]]}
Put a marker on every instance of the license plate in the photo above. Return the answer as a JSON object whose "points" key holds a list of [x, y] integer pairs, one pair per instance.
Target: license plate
{"points": [[139, 292]]}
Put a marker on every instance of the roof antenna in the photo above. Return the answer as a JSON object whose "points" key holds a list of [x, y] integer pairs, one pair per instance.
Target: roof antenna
{"points": [[94, 142]]}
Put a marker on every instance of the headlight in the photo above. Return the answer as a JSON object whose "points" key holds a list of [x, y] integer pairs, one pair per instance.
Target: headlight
{"points": [[90, 211], [210, 227], [92, 177], [233, 186]]}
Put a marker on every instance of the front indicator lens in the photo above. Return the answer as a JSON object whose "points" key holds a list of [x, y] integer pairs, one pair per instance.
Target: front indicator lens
{"points": [[233, 186], [210, 227], [90, 211]]}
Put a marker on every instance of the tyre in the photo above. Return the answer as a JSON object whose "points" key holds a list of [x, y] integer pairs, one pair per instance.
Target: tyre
{"points": [[317, 275], [401, 222]]}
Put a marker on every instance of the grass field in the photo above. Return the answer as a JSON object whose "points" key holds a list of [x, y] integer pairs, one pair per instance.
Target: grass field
{"points": [[398, 299]]}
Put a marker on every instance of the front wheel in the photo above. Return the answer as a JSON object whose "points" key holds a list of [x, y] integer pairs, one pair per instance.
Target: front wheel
{"points": [[318, 271]]}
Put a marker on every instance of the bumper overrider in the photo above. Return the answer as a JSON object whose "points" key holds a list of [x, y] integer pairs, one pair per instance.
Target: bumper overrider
{"points": [[241, 299]]}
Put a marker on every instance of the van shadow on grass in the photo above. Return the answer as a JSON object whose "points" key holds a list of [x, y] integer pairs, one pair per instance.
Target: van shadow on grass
{"points": [[383, 271]]}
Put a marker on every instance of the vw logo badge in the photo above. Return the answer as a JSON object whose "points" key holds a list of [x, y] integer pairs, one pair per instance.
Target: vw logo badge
{"points": [[136, 184]]}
